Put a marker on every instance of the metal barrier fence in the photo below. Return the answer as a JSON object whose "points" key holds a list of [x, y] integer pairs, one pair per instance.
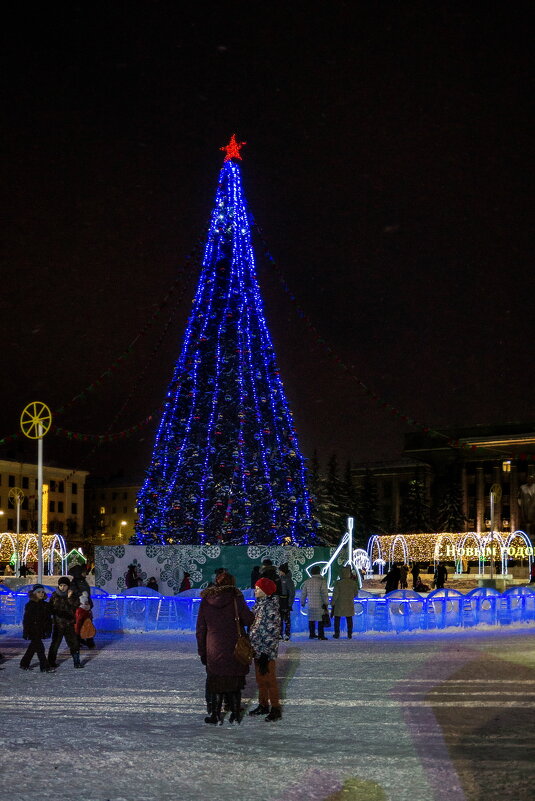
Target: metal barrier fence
{"points": [[399, 611]]}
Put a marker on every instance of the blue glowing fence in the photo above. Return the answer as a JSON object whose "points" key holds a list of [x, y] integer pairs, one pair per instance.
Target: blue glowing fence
{"points": [[403, 610]]}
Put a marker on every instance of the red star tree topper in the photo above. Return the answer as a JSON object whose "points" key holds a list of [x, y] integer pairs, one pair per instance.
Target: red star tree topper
{"points": [[233, 148]]}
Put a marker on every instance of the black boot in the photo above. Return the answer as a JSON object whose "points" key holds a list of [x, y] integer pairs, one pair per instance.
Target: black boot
{"points": [[349, 628], [216, 702], [260, 710], [311, 630], [321, 632], [235, 707], [275, 714], [76, 659]]}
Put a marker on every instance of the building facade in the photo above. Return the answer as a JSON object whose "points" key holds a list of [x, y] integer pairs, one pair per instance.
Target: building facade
{"points": [[487, 456], [63, 498], [111, 510]]}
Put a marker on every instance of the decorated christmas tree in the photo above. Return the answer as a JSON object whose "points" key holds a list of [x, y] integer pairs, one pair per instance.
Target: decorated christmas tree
{"points": [[226, 465]]}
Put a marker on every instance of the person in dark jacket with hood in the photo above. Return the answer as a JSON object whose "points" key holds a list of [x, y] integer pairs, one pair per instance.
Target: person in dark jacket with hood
{"points": [[217, 634], [36, 627], [63, 605], [78, 586]]}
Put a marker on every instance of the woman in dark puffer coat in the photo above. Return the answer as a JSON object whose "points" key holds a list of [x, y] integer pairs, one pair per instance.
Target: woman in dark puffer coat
{"points": [[217, 635]]}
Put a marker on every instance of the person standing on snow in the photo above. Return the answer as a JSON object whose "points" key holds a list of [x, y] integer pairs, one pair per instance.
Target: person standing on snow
{"points": [[36, 627], [217, 635], [264, 635], [344, 592], [63, 604], [441, 575], [392, 578], [78, 586], [286, 593], [316, 592]]}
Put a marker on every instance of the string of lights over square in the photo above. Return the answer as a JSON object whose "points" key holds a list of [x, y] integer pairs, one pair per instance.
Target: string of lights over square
{"points": [[226, 465]]}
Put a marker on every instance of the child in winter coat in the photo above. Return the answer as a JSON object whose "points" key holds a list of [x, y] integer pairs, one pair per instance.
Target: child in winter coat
{"points": [[83, 612], [36, 626], [63, 603], [264, 635]]}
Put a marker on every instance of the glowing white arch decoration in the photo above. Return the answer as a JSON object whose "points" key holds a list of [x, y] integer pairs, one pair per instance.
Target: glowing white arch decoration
{"points": [[375, 542], [438, 547], [477, 539], [403, 541], [513, 536], [61, 550], [26, 549]]}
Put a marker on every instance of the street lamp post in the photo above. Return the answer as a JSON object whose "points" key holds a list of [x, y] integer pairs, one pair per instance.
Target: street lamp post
{"points": [[495, 497], [35, 421], [121, 528]]}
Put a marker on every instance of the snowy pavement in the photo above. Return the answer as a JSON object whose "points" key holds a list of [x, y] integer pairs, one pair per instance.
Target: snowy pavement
{"points": [[447, 717]]}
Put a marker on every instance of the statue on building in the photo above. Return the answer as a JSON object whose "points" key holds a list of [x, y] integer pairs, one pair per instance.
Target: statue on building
{"points": [[526, 502]]}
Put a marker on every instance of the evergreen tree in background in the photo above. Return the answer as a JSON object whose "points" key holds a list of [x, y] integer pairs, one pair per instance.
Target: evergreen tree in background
{"points": [[368, 520], [226, 465], [450, 515], [415, 512], [329, 500]]}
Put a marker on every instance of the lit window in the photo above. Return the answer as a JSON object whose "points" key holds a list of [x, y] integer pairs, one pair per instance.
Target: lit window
{"points": [[506, 466]]}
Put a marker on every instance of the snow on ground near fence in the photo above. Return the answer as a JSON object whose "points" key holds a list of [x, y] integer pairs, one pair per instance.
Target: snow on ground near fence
{"points": [[391, 718]]}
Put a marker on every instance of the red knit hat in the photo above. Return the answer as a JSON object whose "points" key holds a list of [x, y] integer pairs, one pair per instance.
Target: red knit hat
{"points": [[267, 586]]}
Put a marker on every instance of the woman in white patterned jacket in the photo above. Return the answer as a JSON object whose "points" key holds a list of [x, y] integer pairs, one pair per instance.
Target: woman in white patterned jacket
{"points": [[316, 592]]}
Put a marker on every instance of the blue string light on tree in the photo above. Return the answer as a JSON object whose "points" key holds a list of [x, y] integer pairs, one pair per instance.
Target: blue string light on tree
{"points": [[226, 465]]}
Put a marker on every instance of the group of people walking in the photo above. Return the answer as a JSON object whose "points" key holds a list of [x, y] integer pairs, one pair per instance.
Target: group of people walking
{"points": [[63, 616]]}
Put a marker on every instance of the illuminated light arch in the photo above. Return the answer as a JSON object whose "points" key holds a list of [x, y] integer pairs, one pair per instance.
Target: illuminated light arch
{"points": [[61, 549], [403, 541], [445, 537], [471, 535], [27, 548], [375, 542], [521, 535]]}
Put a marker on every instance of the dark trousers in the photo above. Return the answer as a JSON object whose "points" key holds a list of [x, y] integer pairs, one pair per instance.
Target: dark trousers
{"points": [[57, 635], [286, 622], [35, 647], [312, 629], [349, 621]]}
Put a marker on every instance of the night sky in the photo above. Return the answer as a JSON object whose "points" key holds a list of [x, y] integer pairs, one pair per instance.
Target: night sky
{"points": [[387, 164]]}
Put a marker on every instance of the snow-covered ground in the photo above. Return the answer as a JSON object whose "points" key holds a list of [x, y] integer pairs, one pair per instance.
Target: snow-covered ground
{"points": [[447, 717]]}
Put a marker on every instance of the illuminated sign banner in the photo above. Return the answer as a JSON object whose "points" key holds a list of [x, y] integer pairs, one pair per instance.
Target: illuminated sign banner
{"points": [[485, 552]]}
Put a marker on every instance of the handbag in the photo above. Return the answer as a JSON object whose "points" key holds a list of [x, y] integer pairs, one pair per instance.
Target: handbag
{"points": [[243, 650], [326, 620], [87, 630]]}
